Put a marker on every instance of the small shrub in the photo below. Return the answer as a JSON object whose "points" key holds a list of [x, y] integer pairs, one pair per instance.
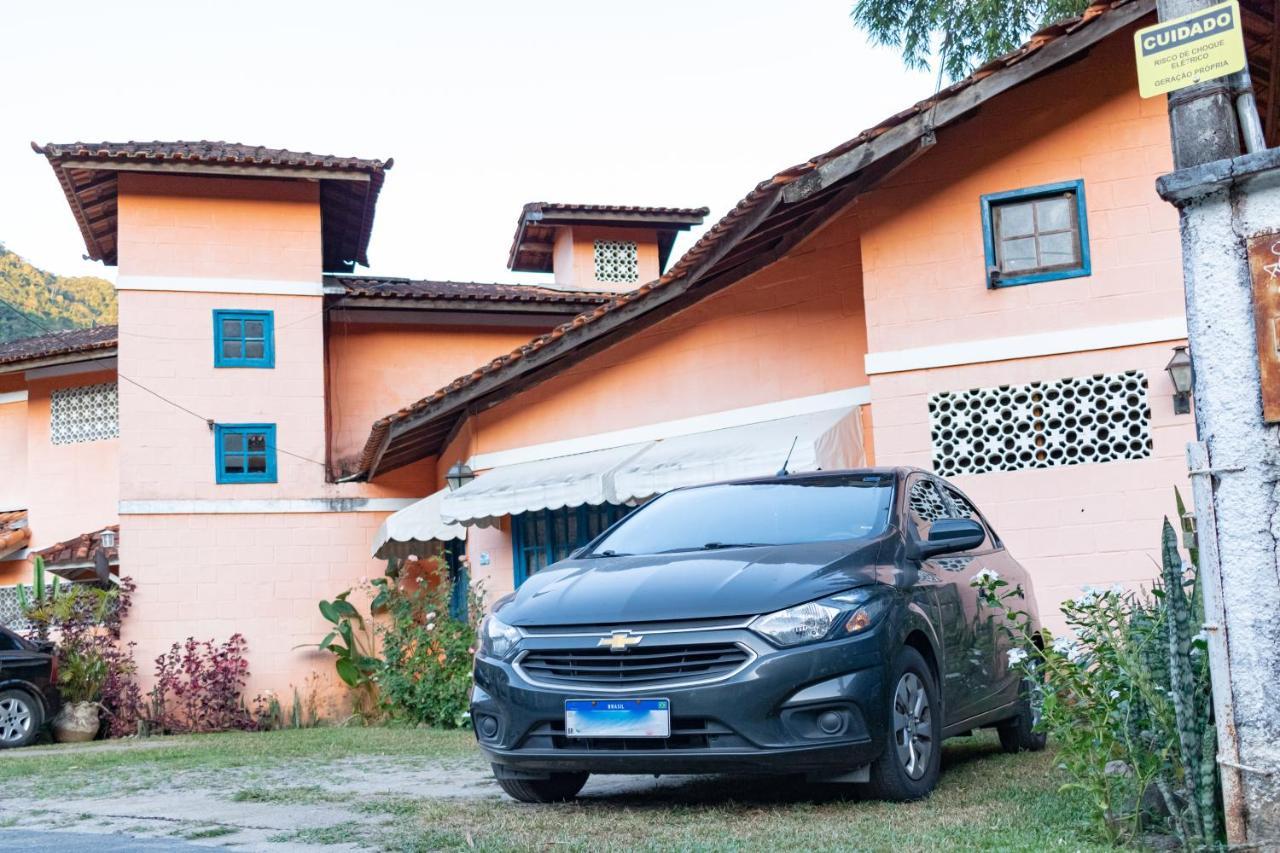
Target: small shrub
{"points": [[427, 654], [1126, 697], [198, 688]]}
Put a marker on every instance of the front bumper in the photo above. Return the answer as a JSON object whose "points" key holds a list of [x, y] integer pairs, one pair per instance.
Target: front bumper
{"points": [[762, 718]]}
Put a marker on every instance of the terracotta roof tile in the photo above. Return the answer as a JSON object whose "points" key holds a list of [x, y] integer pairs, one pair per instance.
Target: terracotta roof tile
{"points": [[462, 291], [58, 343], [82, 549], [14, 532], [539, 220], [347, 205]]}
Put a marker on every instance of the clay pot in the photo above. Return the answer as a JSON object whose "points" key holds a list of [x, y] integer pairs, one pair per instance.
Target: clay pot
{"points": [[76, 722]]}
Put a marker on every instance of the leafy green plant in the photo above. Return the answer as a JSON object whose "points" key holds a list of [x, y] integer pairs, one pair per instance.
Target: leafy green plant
{"points": [[351, 642], [1126, 697], [427, 653], [82, 672], [41, 596]]}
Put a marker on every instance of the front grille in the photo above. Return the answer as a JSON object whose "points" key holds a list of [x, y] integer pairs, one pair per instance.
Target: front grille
{"points": [[635, 667]]}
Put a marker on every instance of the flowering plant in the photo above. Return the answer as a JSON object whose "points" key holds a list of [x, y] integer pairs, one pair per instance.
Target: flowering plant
{"points": [[1126, 697], [198, 686]]}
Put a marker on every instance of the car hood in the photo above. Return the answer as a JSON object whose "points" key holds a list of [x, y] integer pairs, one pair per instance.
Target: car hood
{"points": [[690, 585]]}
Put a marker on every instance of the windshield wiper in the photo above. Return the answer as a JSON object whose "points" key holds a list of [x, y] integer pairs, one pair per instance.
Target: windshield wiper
{"points": [[715, 546], [608, 553]]}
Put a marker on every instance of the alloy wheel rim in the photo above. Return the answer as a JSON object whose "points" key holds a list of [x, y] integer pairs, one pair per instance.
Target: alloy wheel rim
{"points": [[15, 720], [912, 725]]}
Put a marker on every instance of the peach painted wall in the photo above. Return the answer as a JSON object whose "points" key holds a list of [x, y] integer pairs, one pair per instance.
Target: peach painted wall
{"points": [[219, 227], [260, 573], [791, 330], [377, 369], [13, 446], [210, 576], [924, 276], [71, 488], [15, 572], [1071, 525], [922, 252], [574, 258]]}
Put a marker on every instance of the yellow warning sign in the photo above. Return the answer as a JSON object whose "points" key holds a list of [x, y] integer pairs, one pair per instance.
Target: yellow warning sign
{"points": [[1202, 46]]}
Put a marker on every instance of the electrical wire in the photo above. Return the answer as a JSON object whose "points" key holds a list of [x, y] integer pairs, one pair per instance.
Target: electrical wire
{"points": [[208, 421]]}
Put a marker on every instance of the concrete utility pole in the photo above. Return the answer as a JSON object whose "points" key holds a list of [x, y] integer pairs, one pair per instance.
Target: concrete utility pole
{"points": [[1229, 203]]}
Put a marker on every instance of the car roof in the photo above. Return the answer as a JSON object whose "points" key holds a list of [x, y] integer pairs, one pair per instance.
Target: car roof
{"points": [[895, 472]]}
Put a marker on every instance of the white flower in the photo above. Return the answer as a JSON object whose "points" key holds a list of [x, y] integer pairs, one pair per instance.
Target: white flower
{"points": [[1088, 596], [985, 576], [431, 615], [1114, 694], [1063, 645], [431, 626], [1016, 656]]}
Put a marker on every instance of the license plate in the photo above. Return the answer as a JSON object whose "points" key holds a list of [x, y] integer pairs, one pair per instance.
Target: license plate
{"points": [[617, 718]]}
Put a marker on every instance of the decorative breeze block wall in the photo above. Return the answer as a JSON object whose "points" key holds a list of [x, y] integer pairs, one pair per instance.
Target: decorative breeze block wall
{"points": [[1101, 418], [11, 610], [87, 413], [617, 261]]}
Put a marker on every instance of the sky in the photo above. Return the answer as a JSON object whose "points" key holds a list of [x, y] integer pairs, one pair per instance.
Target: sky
{"points": [[483, 105]]}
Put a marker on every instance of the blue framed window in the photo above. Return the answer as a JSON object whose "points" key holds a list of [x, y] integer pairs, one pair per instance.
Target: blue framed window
{"points": [[244, 338], [246, 453], [1035, 234], [540, 538]]}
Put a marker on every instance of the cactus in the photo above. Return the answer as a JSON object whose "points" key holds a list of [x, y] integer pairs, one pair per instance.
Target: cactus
{"points": [[1196, 737], [37, 597]]}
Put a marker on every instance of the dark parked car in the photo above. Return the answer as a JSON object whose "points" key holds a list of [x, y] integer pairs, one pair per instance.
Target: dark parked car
{"points": [[28, 688], [819, 624]]}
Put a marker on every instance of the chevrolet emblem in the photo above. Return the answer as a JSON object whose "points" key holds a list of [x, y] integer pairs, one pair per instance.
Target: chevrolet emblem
{"points": [[620, 641]]}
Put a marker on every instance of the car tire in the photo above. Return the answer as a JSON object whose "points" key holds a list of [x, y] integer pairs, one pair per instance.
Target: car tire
{"points": [[21, 717], [556, 788], [908, 768], [1018, 734]]}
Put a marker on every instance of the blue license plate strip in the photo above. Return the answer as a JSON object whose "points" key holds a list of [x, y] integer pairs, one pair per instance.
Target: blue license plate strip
{"points": [[617, 718]]}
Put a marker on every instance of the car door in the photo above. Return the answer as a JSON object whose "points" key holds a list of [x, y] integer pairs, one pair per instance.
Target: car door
{"points": [[990, 631], [945, 578]]}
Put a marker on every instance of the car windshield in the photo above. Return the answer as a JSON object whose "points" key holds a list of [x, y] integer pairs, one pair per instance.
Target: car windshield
{"points": [[816, 509]]}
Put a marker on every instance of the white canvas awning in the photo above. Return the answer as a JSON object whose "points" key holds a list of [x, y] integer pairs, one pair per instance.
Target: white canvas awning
{"points": [[410, 531], [581, 478], [824, 441]]}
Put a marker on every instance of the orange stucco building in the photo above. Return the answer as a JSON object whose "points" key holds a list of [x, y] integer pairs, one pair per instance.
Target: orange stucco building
{"points": [[985, 285]]}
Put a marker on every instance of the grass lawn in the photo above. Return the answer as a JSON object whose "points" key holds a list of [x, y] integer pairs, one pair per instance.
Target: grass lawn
{"points": [[986, 801]]}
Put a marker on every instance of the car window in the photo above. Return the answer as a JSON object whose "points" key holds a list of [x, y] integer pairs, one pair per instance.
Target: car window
{"points": [[925, 505], [9, 643], [964, 508]]}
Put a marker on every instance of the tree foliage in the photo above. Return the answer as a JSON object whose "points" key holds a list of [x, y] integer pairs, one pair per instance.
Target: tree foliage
{"points": [[56, 302], [956, 35]]}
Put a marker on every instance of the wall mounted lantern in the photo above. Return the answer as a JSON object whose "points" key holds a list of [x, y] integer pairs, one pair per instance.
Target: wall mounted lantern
{"points": [[459, 475], [1179, 368], [108, 538]]}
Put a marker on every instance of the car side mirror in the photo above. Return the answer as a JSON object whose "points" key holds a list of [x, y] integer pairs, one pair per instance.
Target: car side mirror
{"points": [[948, 535]]}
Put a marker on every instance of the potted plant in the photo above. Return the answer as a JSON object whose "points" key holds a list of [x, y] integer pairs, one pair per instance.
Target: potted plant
{"points": [[81, 675]]}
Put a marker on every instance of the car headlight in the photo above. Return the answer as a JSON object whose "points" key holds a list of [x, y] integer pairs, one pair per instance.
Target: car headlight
{"points": [[835, 617], [497, 638]]}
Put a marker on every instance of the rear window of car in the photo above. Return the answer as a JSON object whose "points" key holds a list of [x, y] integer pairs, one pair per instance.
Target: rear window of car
{"points": [[9, 643], [816, 509]]}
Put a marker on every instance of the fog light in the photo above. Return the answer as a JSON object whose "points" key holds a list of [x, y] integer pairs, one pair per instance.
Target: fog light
{"points": [[831, 722], [487, 727]]}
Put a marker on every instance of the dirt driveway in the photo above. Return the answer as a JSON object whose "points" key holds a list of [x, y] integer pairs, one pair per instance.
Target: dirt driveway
{"points": [[413, 789]]}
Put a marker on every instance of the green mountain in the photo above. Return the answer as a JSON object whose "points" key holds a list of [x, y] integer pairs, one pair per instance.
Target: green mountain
{"points": [[55, 301]]}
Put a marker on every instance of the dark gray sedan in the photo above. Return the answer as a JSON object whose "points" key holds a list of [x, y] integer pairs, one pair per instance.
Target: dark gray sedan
{"points": [[818, 624]]}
